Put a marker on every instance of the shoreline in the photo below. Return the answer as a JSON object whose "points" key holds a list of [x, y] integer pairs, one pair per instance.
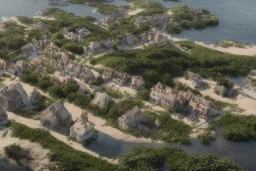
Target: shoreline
{"points": [[249, 50]]}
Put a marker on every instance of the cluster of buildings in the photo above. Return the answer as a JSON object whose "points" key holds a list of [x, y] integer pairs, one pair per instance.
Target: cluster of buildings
{"points": [[123, 79], [56, 117], [14, 97], [152, 20], [99, 46], [13, 68], [154, 36], [128, 39], [68, 70], [218, 89], [78, 36], [196, 78], [113, 17], [35, 47], [181, 101], [133, 119]]}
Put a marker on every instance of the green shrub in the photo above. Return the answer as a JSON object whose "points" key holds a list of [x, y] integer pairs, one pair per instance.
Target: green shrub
{"points": [[172, 131], [16, 152], [173, 28], [143, 94], [198, 24], [186, 25], [206, 137], [238, 127]]}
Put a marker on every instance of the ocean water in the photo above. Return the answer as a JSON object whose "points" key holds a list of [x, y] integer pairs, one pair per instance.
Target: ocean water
{"points": [[237, 20]]}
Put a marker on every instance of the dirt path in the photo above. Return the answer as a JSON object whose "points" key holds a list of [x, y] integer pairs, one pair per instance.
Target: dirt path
{"points": [[36, 124]]}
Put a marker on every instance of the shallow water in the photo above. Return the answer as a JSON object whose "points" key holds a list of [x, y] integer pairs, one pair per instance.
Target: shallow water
{"points": [[243, 153], [237, 18]]}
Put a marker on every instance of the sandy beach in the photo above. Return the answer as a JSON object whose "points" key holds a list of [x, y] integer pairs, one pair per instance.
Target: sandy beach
{"points": [[134, 12], [248, 50]]}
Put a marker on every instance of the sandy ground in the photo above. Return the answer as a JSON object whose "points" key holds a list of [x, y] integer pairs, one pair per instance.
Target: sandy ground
{"points": [[122, 89], [100, 126], [44, 18], [134, 12], [249, 50], [14, 19], [39, 155], [170, 12], [36, 124], [245, 100], [76, 112]]}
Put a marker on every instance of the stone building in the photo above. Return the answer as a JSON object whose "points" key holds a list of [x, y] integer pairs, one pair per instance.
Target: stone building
{"points": [[73, 69], [82, 128], [131, 119], [224, 91], [13, 97], [56, 117], [137, 83], [103, 100], [61, 78], [15, 69], [168, 97], [3, 117], [107, 43], [108, 73], [195, 77], [121, 78], [3, 64], [87, 76], [95, 46], [35, 96], [128, 39], [200, 106], [156, 93], [64, 60]]}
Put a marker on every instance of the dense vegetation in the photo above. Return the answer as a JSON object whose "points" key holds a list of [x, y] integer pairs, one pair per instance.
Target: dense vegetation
{"points": [[71, 21], [207, 136], [151, 8], [11, 40], [156, 63], [171, 130], [76, 1], [105, 8], [238, 127], [140, 158], [225, 82], [126, 25], [184, 17]]}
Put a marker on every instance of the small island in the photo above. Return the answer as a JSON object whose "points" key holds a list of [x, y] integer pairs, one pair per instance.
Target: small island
{"points": [[187, 18]]}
